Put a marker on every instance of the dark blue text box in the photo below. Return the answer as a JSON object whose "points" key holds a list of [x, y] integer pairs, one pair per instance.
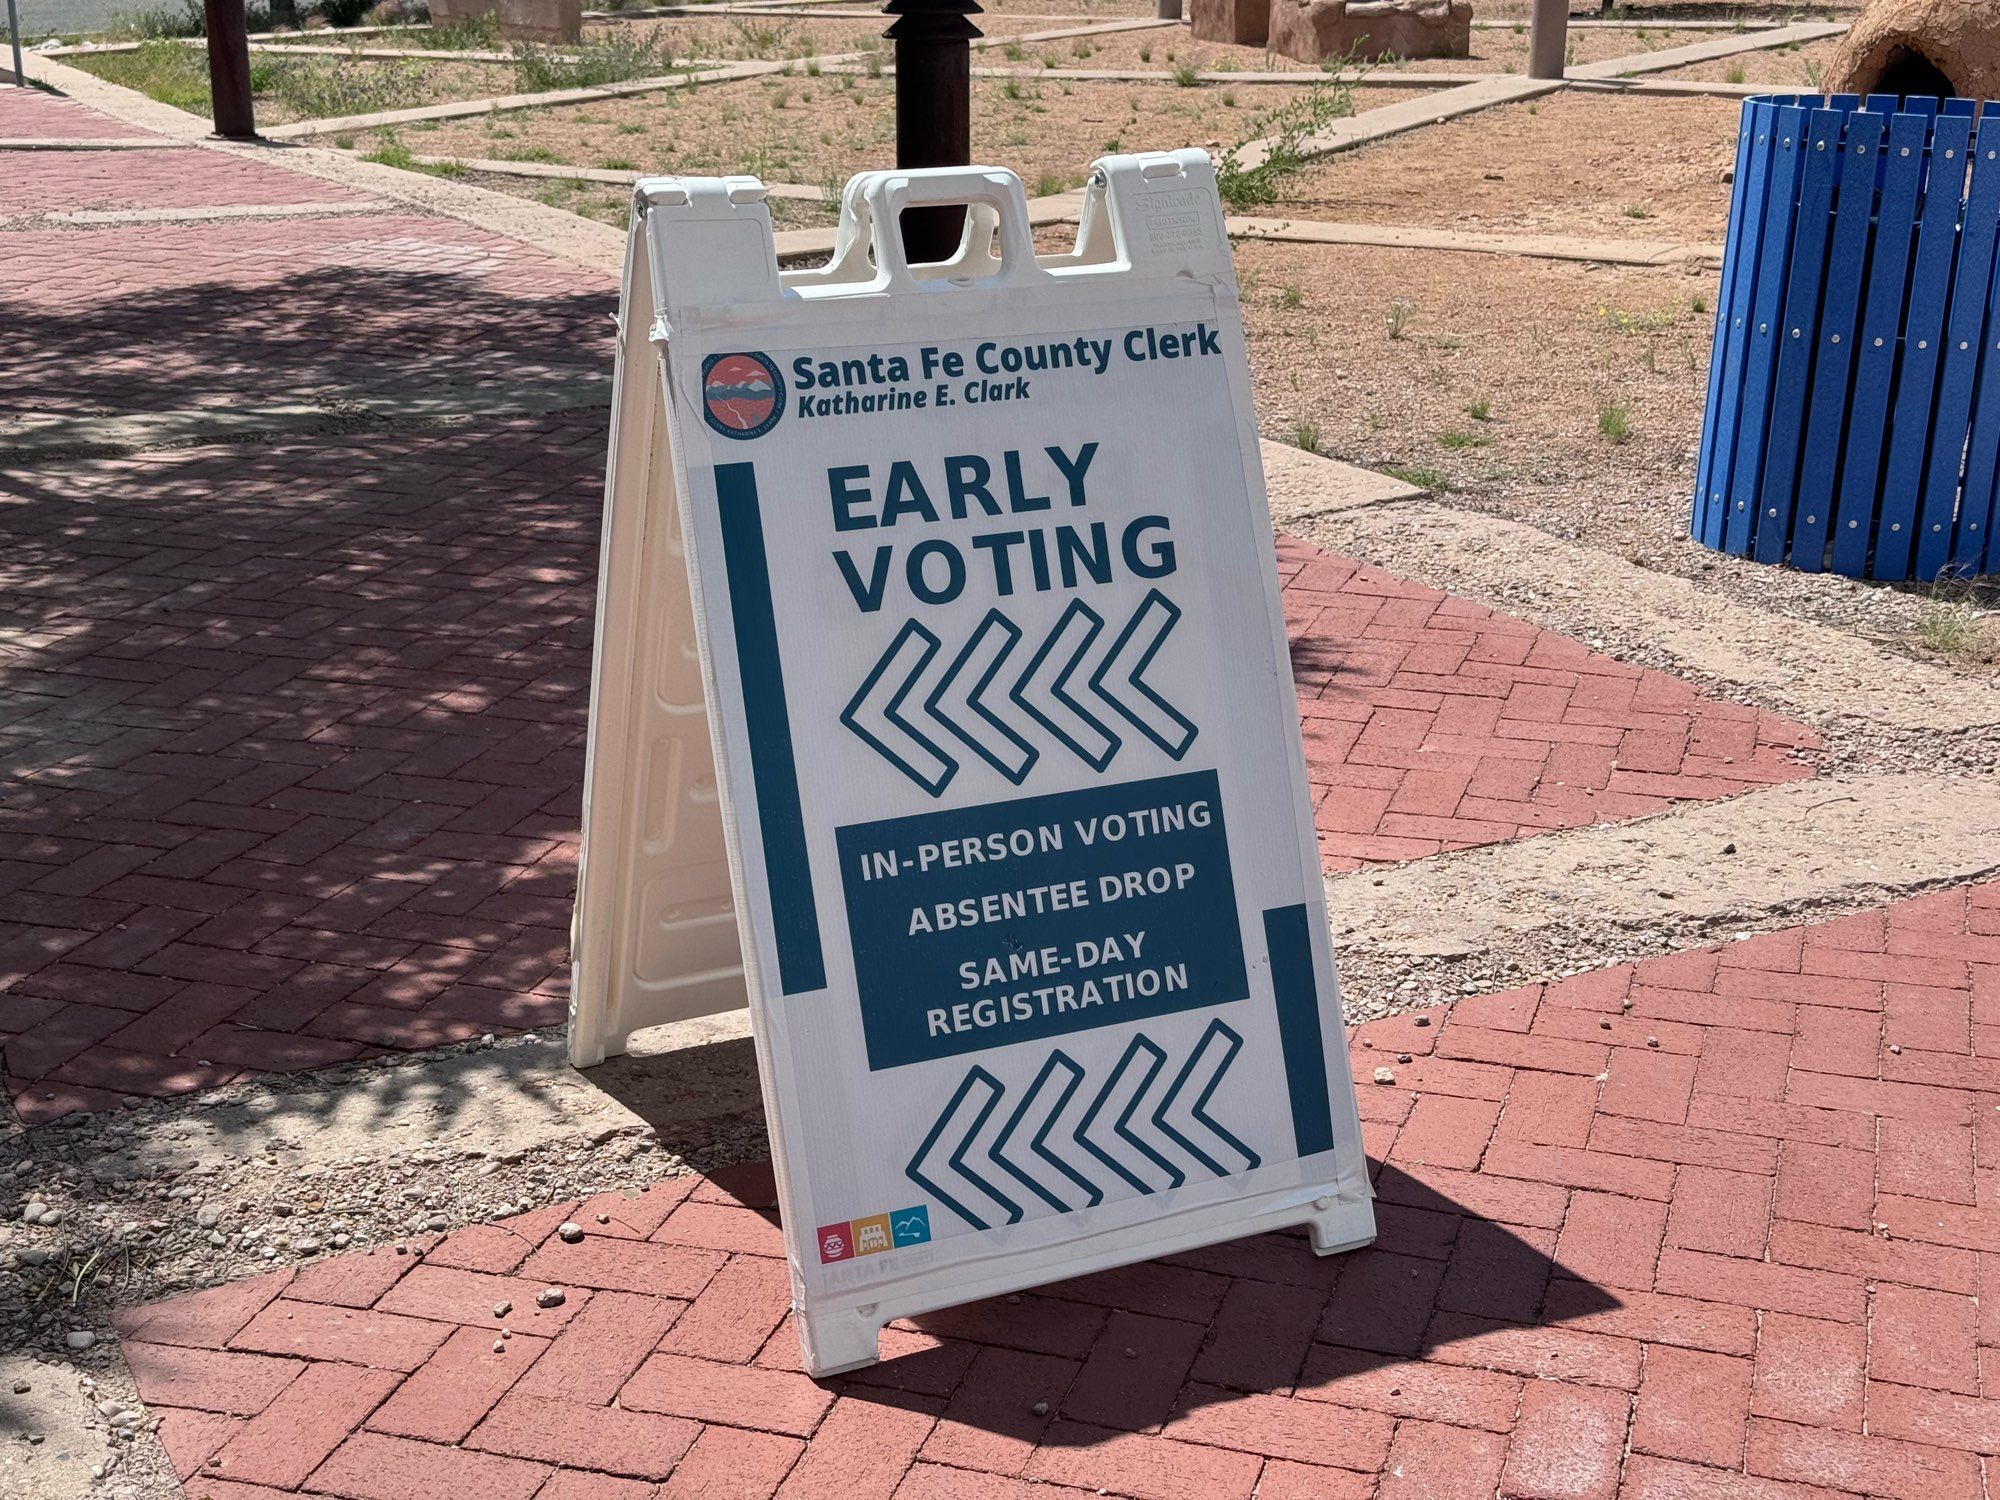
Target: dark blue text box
{"points": [[984, 926]]}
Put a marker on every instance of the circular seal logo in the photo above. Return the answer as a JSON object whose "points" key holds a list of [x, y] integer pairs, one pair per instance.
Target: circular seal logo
{"points": [[742, 395]]}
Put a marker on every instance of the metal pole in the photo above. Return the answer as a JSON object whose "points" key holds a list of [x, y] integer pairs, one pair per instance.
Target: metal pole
{"points": [[1169, 10], [1548, 39], [229, 69], [933, 109], [14, 32]]}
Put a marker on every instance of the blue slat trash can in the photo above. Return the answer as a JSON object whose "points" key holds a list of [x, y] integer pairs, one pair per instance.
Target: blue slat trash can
{"points": [[1853, 418]]}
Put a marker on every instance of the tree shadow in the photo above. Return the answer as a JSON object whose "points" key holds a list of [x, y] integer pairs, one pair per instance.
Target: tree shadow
{"points": [[301, 333]]}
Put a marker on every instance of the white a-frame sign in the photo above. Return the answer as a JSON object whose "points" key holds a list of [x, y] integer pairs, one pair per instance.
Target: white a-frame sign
{"points": [[943, 716]]}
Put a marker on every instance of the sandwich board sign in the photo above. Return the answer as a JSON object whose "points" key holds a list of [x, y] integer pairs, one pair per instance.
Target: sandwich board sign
{"points": [[942, 714]]}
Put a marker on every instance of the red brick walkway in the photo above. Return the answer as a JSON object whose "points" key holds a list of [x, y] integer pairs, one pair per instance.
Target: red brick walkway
{"points": [[294, 754], [290, 733], [1434, 723], [1723, 1225]]}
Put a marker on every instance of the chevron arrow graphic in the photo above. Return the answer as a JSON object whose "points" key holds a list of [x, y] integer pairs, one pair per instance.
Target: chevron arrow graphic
{"points": [[1112, 1126], [962, 1120], [1123, 669], [876, 711], [959, 697], [1033, 1105], [1043, 689], [1203, 1070], [1144, 1059]]}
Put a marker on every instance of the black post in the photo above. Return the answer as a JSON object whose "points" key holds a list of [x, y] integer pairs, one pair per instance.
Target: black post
{"points": [[229, 69], [933, 109]]}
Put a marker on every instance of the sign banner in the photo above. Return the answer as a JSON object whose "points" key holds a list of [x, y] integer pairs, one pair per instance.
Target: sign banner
{"points": [[943, 712]]}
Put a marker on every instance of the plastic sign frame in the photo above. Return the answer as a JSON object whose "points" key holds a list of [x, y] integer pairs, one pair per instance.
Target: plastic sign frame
{"points": [[942, 713]]}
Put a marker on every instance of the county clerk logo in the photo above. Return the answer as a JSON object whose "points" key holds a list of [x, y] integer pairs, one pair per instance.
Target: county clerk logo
{"points": [[742, 395]]}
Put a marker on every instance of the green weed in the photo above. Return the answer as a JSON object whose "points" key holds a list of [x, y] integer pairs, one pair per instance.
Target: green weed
{"points": [[610, 59], [1614, 422], [1287, 129]]}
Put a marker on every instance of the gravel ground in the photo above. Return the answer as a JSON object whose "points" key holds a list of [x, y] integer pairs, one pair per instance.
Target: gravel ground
{"points": [[131, 1207]]}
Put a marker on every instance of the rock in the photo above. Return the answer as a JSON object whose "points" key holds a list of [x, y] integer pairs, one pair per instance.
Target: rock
{"points": [[1239, 22], [501, 1309], [79, 1339], [1421, 1021], [208, 1217], [550, 1297], [1317, 31], [1040, 1408], [1936, 47], [569, 1233], [1384, 1075], [520, 21], [1403, 1057]]}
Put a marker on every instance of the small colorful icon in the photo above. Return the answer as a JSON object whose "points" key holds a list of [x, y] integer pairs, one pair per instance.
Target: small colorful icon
{"points": [[835, 1243], [875, 1234], [742, 395], [871, 1235]]}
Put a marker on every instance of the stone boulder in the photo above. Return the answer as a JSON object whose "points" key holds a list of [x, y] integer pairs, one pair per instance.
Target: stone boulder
{"points": [[1316, 31], [1243, 23], [1943, 48], [553, 22]]}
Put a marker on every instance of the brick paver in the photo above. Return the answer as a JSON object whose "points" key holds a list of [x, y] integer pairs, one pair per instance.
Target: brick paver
{"points": [[1433, 723], [47, 182], [33, 114], [291, 733], [1582, 1287], [294, 753]]}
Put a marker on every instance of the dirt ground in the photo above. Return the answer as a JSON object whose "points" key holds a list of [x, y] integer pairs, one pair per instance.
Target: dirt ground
{"points": [[821, 130], [1494, 50], [1491, 377], [1583, 164], [1787, 67], [317, 88]]}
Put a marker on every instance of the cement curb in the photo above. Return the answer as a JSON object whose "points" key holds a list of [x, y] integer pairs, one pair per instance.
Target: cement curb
{"points": [[1531, 246]]}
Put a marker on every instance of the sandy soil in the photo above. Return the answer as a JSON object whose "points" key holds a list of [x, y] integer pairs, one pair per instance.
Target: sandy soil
{"points": [[1575, 164], [1546, 344], [1494, 50], [345, 86], [780, 36], [820, 130], [612, 205], [1784, 67]]}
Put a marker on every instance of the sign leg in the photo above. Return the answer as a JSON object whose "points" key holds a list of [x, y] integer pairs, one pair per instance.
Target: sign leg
{"points": [[839, 1340], [1340, 1227]]}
